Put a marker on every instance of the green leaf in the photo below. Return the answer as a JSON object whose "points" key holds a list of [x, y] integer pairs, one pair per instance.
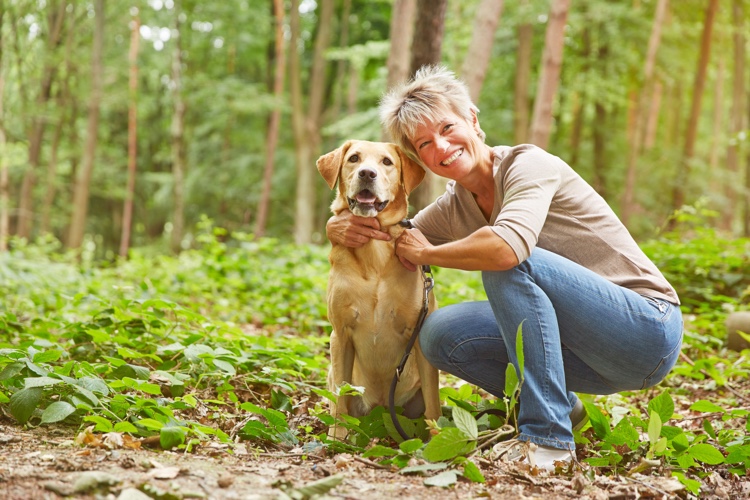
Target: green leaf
{"points": [[663, 405], [706, 407], [11, 371], [225, 366], [465, 422], [450, 443], [57, 411], [40, 382], [171, 436], [280, 401], [411, 445], [444, 479], [419, 469], [47, 356], [598, 420], [24, 402], [472, 472], [654, 428], [706, 453], [519, 350], [691, 484], [680, 443], [102, 424], [511, 380], [316, 488], [151, 424], [380, 451], [149, 388], [125, 427]]}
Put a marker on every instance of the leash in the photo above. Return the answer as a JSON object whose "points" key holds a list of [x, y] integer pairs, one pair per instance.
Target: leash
{"points": [[429, 283]]}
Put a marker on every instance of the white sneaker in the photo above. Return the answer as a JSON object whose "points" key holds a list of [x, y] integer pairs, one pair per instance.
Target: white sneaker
{"points": [[535, 455]]}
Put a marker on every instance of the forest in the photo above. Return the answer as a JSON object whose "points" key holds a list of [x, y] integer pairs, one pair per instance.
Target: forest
{"points": [[163, 258]]}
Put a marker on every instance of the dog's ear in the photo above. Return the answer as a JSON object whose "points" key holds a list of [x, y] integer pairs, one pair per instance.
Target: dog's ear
{"points": [[329, 165], [411, 172]]}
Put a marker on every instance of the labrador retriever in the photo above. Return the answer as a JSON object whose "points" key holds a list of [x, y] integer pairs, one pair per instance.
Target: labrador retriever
{"points": [[373, 300]]}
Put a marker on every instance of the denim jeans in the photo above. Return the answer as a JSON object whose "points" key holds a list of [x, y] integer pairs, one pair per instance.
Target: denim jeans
{"points": [[581, 333]]}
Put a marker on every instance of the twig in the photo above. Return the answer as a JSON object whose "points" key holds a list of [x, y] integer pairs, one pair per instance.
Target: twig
{"points": [[290, 455], [370, 463], [648, 486]]}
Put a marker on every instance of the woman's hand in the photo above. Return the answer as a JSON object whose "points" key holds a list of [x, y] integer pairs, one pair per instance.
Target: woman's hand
{"points": [[411, 248], [353, 231]]}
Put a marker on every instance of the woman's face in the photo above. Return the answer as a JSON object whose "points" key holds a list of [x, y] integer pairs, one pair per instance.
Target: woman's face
{"points": [[449, 146]]}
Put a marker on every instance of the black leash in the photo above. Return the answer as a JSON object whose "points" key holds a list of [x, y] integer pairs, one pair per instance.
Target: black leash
{"points": [[429, 283]]}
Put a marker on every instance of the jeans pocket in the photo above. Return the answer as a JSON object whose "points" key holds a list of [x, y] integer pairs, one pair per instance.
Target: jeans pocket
{"points": [[664, 366]]}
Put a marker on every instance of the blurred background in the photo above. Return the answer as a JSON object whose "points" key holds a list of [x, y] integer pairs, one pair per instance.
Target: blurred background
{"points": [[123, 124]]}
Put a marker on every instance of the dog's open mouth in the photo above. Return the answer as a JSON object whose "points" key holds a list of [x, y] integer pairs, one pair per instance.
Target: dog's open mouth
{"points": [[366, 200]]}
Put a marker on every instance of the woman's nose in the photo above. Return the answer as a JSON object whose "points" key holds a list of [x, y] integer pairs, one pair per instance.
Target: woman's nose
{"points": [[442, 144]]}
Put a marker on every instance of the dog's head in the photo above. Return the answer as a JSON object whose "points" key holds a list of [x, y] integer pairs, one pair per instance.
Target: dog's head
{"points": [[371, 175]]}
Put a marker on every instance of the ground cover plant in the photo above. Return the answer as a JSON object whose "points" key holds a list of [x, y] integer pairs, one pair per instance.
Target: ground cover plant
{"points": [[222, 351]]}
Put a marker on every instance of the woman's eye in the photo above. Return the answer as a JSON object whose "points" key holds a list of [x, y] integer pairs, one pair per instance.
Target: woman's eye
{"points": [[423, 145], [387, 161], [353, 158], [447, 127]]}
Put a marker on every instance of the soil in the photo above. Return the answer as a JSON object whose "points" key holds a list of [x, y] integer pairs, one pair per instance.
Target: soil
{"points": [[52, 463]]}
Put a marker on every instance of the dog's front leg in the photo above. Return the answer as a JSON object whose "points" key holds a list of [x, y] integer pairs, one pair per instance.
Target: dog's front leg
{"points": [[342, 366], [430, 378]]}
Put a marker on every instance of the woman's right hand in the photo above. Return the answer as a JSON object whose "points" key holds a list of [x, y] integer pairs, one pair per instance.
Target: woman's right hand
{"points": [[353, 231]]}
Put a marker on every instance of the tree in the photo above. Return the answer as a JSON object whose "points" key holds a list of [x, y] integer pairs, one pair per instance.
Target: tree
{"points": [[639, 124], [83, 182], [4, 195], [523, 77], [275, 119], [178, 136], [127, 211], [426, 48], [683, 174], [478, 57], [736, 118], [549, 74], [401, 34]]}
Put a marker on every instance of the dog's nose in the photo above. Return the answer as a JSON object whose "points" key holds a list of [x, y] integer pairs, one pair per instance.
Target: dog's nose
{"points": [[367, 172]]}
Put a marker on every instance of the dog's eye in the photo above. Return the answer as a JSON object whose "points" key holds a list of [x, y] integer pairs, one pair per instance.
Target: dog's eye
{"points": [[353, 158], [387, 161]]}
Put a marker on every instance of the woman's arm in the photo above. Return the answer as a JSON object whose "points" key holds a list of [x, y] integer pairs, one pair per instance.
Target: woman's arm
{"points": [[482, 250]]}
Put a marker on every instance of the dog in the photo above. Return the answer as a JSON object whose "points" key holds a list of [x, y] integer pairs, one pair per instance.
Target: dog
{"points": [[373, 301]]}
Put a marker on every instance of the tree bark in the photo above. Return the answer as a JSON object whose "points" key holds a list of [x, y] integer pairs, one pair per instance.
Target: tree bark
{"points": [[736, 118], [273, 125], [549, 75], [637, 137], [653, 115], [4, 195], [478, 57], [178, 136], [26, 202], [401, 34], [426, 48], [683, 174], [127, 211], [83, 181], [523, 78]]}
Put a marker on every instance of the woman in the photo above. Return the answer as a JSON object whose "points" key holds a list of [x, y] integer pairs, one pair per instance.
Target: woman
{"points": [[598, 317]]}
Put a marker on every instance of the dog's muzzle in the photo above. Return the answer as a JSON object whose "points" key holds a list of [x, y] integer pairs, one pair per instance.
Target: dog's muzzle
{"points": [[366, 201]]}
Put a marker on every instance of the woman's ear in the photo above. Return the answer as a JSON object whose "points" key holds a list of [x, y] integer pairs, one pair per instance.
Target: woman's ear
{"points": [[329, 165], [412, 172]]}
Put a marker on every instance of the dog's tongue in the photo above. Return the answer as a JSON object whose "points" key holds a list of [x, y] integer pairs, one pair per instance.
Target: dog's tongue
{"points": [[366, 196]]}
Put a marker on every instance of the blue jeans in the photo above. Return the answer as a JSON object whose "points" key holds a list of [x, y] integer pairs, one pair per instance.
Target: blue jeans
{"points": [[581, 333]]}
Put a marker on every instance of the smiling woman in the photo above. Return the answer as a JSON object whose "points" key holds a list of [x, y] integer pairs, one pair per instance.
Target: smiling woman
{"points": [[597, 316]]}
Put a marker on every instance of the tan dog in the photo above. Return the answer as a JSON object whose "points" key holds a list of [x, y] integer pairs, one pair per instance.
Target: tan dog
{"points": [[373, 300]]}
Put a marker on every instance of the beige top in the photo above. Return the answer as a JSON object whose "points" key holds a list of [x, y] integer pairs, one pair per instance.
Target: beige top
{"points": [[541, 201]]}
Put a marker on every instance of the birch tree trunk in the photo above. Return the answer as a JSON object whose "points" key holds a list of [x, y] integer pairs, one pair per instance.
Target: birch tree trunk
{"points": [[127, 211], [178, 136], [83, 180], [549, 75], [275, 120], [401, 34], [478, 57], [683, 174], [523, 78], [426, 48], [736, 118], [628, 202], [26, 203]]}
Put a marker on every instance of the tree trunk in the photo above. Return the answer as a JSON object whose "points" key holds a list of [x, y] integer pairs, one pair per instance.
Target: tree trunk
{"points": [[716, 183], [49, 194], [401, 33], [736, 118], [600, 150], [127, 211], [178, 136], [653, 115], [341, 66], [549, 75], [273, 125], [478, 56], [307, 140], [426, 48], [55, 20], [636, 138], [523, 78], [746, 219], [83, 181], [4, 195], [683, 174]]}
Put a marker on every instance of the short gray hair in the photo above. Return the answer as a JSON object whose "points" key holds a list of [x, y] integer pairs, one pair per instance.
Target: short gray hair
{"points": [[432, 89]]}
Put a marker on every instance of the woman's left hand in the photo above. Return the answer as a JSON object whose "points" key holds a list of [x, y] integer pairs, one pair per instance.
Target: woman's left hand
{"points": [[411, 248]]}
